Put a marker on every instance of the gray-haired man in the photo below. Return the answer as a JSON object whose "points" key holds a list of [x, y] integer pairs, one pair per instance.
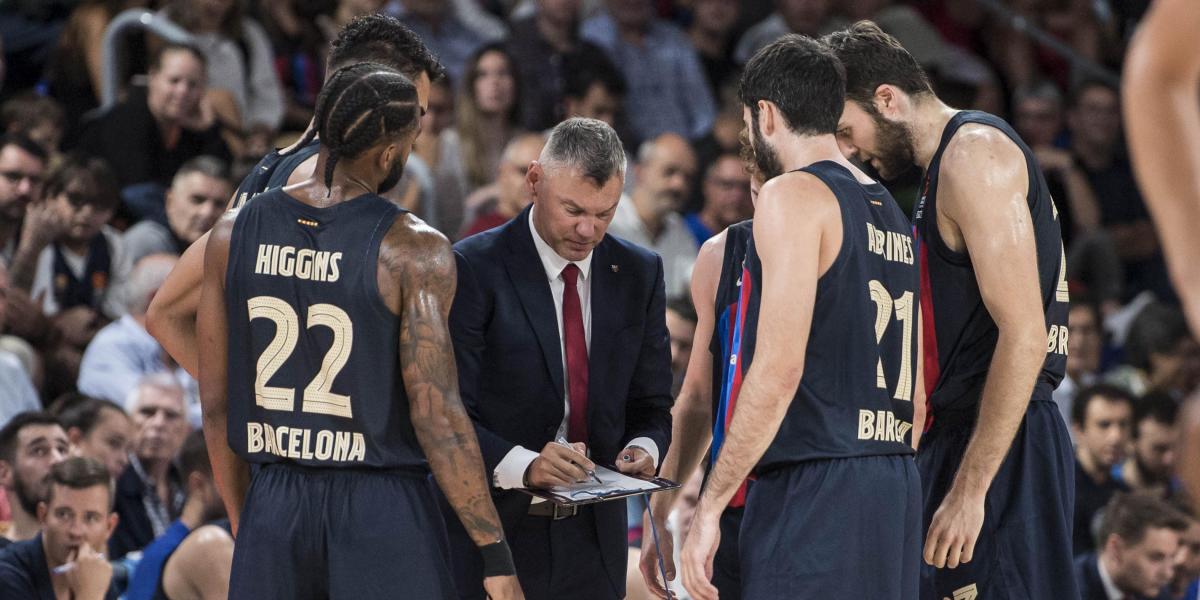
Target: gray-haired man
{"points": [[560, 332]]}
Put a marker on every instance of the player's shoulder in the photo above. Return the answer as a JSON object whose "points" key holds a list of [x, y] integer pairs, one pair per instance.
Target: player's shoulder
{"points": [[413, 245], [979, 146], [795, 192]]}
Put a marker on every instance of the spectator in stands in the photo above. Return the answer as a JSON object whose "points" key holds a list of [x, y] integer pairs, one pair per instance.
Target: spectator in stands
{"points": [[196, 199], [242, 87], [36, 117], [667, 88], [123, 352], [1095, 123], [193, 558], [509, 194], [67, 254], [711, 33], [30, 443], [1186, 583], [681, 326], [485, 120], [726, 190], [23, 165], [1150, 469], [1160, 352], [648, 217], [99, 430], [1101, 419], [1139, 539], [154, 132], [439, 26], [17, 393], [540, 44], [813, 18], [593, 89], [1084, 343], [76, 521], [150, 492]]}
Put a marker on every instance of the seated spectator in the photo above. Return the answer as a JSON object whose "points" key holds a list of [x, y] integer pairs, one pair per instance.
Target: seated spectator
{"points": [[1094, 119], [439, 25], [68, 255], [66, 558], [196, 199], [1100, 420], [30, 444], [99, 430], [23, 166], [17, 393], [647, 217], [36, 117], [150, 492], [193, 558], [485, 120], [1084, 344], [540, 44], [123, 351], [1160, 352], [593, 88], [509, 194], [1139, 539], [1186, 583], [1150, 468], [154, 132], [667, 88], [681, 327], [242, 87], [726, 189], [711, 33], [813, 18]]}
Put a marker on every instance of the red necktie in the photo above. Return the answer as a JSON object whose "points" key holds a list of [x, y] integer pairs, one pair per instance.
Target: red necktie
{"points": [[577, 358]]}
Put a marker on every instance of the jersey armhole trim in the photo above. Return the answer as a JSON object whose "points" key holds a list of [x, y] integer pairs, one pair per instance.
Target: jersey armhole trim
{"points": [[370, 274]]}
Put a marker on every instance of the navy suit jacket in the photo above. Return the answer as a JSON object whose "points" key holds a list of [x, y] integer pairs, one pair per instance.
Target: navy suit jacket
{"points": [[506, 341], [1087, 573]]}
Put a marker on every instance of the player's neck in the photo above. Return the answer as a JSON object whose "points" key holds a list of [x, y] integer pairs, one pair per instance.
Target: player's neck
{"points": [[799, 151], [929, 119]]}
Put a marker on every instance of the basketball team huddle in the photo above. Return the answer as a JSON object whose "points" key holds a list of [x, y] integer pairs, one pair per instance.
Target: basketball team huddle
{"points": [[870, 396]]}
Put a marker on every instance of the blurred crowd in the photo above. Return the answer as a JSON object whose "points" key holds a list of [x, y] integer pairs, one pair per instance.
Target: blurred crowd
{"points": [[111, 164]]}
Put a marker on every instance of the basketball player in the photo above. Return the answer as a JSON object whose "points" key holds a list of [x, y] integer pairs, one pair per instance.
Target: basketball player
{"points": [[824, 415], [1161, 93], [309, 288], [376, 38], [996, 461]]}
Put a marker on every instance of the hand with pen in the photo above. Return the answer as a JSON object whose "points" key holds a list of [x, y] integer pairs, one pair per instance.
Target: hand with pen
{"points": [[560, 464]]}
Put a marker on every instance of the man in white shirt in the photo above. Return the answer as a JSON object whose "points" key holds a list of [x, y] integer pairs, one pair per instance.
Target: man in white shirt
{"points": [[560, 333], [1139, 539]]}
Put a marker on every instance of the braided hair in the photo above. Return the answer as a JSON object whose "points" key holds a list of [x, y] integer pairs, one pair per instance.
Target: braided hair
{"points": [[359, 106]]}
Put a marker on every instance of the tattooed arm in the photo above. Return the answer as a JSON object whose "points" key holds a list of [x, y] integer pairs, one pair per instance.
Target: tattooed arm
{"points": [[417, 278]]}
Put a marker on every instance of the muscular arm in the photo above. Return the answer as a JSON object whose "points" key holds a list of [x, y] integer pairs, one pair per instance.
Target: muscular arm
{"points": [[983, 193], [199, 569], [417, 279], [797, 231], [1161, 89], [692, 414], [231, 473], [171, 318]]}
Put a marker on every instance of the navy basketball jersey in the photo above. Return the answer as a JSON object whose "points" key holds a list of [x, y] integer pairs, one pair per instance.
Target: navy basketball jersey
{"points": [[855, 397], [272, 171], [314, 374], [728, 362], [960, 336]]}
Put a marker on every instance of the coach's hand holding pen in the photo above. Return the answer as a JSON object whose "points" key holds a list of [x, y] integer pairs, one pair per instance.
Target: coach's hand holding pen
{"points": [[591, 471], [560, 464]]}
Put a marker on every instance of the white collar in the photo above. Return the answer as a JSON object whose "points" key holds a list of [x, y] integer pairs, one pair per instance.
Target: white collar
{"points": [[551, 261], [1110, 588]]}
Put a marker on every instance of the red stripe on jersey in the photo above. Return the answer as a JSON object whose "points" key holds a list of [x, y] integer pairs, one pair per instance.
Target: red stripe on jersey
{"points": [[929, 334]]}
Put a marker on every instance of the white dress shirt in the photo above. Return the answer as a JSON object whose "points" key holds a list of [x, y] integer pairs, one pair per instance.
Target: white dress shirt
{"points": [[510, 472], [1110, 588]]}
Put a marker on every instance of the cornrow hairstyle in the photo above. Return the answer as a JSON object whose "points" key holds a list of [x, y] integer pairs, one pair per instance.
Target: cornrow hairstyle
{"points": [[359, 106]]}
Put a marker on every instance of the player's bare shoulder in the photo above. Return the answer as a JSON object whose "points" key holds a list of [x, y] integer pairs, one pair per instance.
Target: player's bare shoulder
{"points": [[414, 255], [793, 196], [981, 155]]}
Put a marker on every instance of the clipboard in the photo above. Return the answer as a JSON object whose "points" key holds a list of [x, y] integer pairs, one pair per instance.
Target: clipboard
{"points": [[613, 487]]}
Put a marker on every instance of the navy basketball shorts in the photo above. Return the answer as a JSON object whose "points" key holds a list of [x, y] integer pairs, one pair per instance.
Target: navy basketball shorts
{"points": [[1024, 548], [727, 575], [340, 534], [838, 528]]}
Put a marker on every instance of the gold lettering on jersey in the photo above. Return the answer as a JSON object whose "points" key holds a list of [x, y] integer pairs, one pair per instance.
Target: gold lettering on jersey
{"points": [[287, 261], [1056, 340], [305, 444], [881, 426], [892, 246]]}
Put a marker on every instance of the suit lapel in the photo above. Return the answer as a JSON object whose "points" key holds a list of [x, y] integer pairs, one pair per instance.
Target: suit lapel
{"points": [[606, 290], [529, 279]]}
